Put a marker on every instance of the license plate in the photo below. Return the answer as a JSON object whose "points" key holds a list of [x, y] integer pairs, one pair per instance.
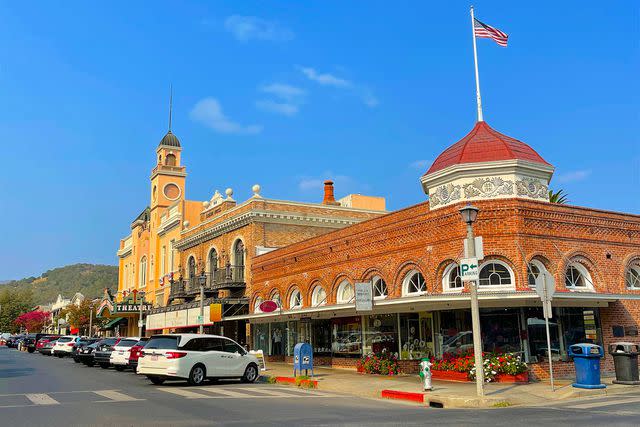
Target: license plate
{"points": [[154, 357]]}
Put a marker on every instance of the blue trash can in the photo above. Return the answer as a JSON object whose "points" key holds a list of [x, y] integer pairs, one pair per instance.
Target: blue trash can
{"points": [[586, 358]]}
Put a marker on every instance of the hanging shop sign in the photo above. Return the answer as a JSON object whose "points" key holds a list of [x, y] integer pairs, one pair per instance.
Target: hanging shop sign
{"points": [[364, 296], [268, 306]]}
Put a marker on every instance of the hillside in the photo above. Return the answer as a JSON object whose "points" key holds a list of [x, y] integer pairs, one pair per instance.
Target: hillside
{"points": [[88, 279]]}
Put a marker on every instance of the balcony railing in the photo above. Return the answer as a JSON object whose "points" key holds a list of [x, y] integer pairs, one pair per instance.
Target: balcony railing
{"points": [[231, 276]]}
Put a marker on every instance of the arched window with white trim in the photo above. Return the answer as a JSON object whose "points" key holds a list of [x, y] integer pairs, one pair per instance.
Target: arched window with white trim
{"points": [[414, 284], [451, 281], [213, 260], [632, 276], [497, 275], [380, 289], [318, 296], [275, 297], [256, 305], [345, 293], [577, 277], [295, 300], [143, 272], [534, 269]]}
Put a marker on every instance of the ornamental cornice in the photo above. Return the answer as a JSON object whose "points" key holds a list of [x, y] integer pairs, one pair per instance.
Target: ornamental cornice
{"points": [[261, 216]]}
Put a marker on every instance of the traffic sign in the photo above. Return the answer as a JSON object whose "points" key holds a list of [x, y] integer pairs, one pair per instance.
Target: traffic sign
{"points": [[200, 320], [469, 269], [546, 288]]}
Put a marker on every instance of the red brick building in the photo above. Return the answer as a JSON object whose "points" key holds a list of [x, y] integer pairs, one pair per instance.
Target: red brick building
{"points": [[420, 305]]}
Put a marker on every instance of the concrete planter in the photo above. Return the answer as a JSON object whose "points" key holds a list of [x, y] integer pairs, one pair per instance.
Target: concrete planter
{"points": [[449, 376], [518, 378]]}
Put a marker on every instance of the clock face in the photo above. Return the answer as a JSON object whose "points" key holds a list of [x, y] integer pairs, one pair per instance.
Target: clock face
{"points": [[171, 191]]}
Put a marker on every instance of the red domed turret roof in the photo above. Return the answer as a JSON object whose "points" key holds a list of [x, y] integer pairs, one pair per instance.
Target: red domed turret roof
{"points": [[483, 144]]}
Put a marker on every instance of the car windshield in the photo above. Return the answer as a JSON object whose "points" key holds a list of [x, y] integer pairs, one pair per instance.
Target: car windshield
{"points": [[127, 343], [142, 342], [94, 345], [109, 341], [162, 343], [64, 339]]}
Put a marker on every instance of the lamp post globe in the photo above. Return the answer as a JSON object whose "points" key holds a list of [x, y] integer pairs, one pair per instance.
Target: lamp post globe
{"points": [[469, 214]]}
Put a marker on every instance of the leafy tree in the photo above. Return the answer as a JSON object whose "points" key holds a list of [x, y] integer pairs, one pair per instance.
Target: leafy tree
{"points": [[559, 197], [79, 316], [13, 302], [33, 321]]}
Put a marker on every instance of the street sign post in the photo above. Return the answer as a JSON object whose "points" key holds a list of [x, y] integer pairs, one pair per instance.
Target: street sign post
{"points": [[200, 320], [546, 288], [469, 269]]}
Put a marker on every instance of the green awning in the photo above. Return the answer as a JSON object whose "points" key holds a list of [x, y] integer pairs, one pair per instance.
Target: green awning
{"points": [[112, 324]]}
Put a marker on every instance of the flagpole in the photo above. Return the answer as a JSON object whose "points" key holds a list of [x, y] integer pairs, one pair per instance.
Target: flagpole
{"points": [[475, 61]]}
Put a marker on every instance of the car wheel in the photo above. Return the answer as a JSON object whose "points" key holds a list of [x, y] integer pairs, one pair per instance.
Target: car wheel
{"points": [[90, 363], [75, 359], [250, 374], [197, 375], [60, 355], [155, 380], [31, 350], [104, 365], [119, 368]]}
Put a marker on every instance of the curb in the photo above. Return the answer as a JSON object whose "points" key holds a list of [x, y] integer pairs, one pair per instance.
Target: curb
{"points": [[403, 395], [308, 383]]}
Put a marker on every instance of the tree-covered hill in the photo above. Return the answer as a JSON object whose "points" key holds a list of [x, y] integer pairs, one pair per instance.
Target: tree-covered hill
{"points": [[88, 279]]}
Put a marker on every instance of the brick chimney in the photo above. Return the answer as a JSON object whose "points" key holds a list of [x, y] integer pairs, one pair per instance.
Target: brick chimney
{"points": [[329, 199]]}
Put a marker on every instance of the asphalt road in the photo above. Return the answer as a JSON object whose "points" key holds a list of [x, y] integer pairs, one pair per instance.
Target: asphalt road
{"points": [[36, 390]]}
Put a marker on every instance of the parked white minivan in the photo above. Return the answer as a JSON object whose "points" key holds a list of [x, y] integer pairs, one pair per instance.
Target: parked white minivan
{"points": [[195, 357]]}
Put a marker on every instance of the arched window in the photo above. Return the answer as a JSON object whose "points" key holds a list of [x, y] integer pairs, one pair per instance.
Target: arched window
{"points": [[451, 281], [496, 274], [295, 300], [256, 305], [275, 297], [143, 272], [380, 290], [192, 267], [238, 251], [633, 275], [345, 292], [577, 277], [170, 160], [414, 284], [318, 296], [534, 269], [213, 260]]}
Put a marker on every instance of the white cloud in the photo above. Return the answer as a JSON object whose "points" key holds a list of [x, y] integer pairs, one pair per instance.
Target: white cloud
{"points": [[284, 108], [573, 176], [419, 164], [245, 28], [283, 91], [341, 182], [209, 113], [325, 79]]}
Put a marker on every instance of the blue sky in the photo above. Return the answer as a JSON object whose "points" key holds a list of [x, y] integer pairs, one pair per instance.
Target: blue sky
{"points": [[286, 94]]}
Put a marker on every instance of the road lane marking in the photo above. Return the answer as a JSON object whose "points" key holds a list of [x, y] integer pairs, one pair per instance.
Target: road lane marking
{"points": [[186, 393], [41, 399], [115, 396], [266, 391], [225, 392], [605, 403]]}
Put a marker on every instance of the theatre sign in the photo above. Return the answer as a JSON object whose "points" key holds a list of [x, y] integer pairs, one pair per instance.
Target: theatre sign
{"points": [[109, 308]]}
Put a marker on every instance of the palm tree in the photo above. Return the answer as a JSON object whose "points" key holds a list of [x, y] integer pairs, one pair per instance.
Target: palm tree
{"points": [[558, 197]]}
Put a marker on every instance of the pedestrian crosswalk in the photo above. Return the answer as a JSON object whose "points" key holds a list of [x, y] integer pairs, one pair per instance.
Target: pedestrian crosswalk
{"points": [[114, 396]]}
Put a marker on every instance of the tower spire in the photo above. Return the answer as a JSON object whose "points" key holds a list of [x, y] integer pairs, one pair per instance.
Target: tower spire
{"points": [[170, 105]]}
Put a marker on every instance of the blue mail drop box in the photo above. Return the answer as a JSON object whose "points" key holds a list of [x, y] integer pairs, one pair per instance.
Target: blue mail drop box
{"points": [[302, 358]]}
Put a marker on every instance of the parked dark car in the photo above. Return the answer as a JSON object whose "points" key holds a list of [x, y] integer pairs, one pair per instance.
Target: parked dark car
{"points": [[80, 345], [85, 354], [102, 353], [31, 341], [134, 355], [47, 346], [12, 342]]}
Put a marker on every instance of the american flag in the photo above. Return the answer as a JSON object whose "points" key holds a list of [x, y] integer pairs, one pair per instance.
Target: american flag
{"points": [[488, 32]]}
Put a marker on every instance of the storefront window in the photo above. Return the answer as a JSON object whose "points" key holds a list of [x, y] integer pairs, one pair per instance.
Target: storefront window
{"points": [[416, 335], [537, 335], [321, 337], [347, 337], [278, 338], [455, 332], [381, 333], [261, 337], [579, 325], [292, 337], [500, 330]]}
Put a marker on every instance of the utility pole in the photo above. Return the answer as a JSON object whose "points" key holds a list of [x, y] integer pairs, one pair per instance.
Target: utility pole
{"points": [[90, 319], [203, 280]]}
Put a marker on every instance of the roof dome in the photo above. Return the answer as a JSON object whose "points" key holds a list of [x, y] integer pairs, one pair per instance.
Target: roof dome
{"points": [[170, 139], [483, 144]]}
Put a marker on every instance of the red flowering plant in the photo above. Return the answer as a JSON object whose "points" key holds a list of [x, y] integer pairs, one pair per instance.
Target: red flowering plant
{"points": [[493, 364], [380, 363], [33, 321]]}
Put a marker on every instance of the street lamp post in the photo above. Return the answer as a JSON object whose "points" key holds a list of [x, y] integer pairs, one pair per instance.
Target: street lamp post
{"points": [[202, 281], [140, 295], [469, 215]]}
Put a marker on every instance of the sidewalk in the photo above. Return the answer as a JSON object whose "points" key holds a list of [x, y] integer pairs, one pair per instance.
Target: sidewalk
{"points": [[447, 394]]}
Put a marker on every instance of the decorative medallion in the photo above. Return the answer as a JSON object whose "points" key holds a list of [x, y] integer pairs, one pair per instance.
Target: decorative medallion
{"points": [[488, 187], [532, 188], [445, 194], [171, 191]]}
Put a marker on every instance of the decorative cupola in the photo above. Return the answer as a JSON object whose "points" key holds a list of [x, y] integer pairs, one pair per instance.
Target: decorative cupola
{"points": [[486, 164]]}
